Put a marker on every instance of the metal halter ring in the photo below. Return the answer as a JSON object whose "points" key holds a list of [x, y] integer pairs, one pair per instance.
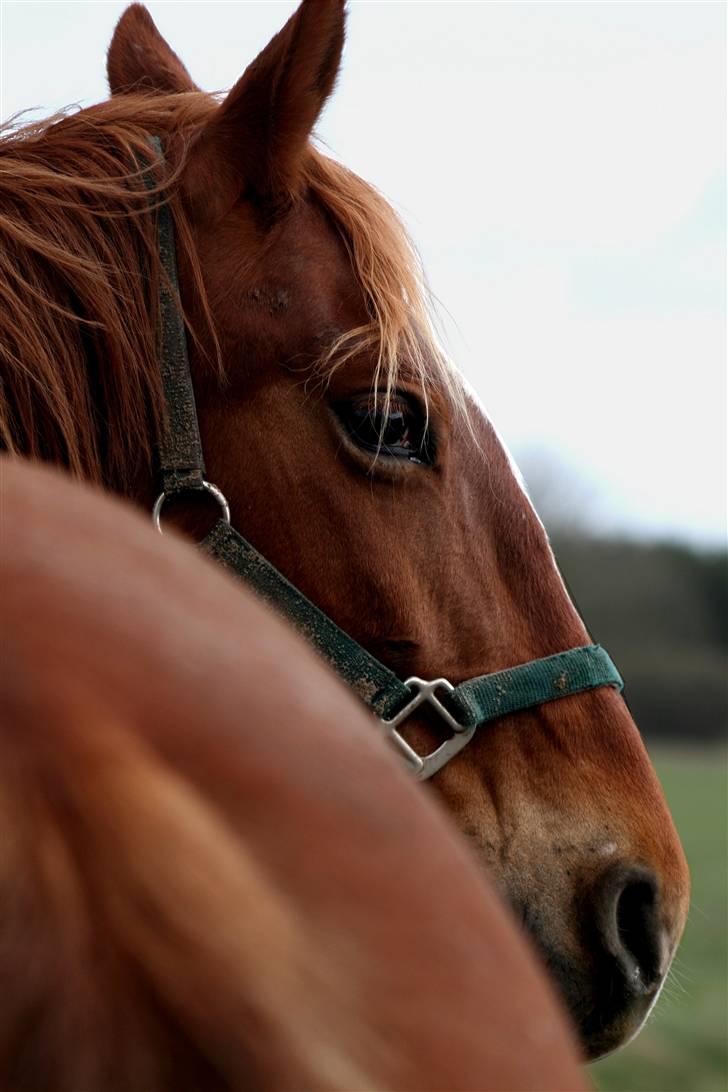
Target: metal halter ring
{"points": [[207, 486], [423, 691]]}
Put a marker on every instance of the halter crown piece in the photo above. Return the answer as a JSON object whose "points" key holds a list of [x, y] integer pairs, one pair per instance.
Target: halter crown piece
{"points": [[463, 708]]}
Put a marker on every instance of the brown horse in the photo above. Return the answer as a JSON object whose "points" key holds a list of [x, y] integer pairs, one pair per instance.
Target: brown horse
{"points": [[351, 453], [213, 875]]}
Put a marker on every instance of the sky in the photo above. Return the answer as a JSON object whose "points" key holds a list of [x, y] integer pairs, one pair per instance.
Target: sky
{"points": [[562, 170]]}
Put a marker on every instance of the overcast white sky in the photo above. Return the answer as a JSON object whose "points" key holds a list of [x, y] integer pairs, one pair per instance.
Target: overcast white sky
{"points": [[562, 167]]}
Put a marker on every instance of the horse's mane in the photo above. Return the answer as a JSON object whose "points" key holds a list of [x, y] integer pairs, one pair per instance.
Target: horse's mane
{"points": [[79, 267]]}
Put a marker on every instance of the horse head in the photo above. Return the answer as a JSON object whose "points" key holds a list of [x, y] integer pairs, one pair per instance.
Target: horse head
{"points": [[357, 461]]}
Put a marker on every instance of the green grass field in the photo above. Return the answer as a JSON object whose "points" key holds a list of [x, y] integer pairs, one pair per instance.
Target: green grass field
{"points": [[684, 1047]]}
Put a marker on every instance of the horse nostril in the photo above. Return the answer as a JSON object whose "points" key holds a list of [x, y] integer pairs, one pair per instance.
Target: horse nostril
{"points": [[627, 905]]}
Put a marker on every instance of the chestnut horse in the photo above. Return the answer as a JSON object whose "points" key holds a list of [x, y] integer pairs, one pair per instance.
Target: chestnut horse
{"points": [[352, 455], [199, 889]]}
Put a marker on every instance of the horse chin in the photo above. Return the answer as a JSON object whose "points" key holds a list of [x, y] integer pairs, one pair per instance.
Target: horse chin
{"points": [[601, 1042], [598, 1043]]}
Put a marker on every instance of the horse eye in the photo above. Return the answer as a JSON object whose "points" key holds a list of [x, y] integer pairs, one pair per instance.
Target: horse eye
{"points": [[398, 431]]}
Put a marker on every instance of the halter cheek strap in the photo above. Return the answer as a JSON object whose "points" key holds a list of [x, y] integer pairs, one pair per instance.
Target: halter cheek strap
{"points": [[181, 462], [464, 708]]}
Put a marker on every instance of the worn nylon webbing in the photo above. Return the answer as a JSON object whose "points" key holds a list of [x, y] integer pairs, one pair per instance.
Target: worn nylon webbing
{"points": [[181, 461], [471, 703], [373, 682], [482, 699]]}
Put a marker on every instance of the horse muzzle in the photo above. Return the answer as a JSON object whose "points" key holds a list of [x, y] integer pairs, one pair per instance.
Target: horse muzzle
{"points": [[626, 953]]}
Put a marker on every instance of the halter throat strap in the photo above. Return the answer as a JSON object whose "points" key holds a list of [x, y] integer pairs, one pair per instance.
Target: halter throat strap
{"points": [[462, 708]]}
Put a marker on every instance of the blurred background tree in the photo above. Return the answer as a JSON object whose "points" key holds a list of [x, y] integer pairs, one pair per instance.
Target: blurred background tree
{"points": [[660, 608]]}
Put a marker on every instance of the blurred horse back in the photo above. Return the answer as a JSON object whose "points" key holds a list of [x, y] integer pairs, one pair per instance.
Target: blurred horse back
{"points": [[215, 874]]}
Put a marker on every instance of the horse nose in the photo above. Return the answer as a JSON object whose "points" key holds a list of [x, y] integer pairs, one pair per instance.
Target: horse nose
{"points": [[627, 916]]}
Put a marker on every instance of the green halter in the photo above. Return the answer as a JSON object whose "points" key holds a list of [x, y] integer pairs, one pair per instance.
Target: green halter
{"points": [[463, 708]]}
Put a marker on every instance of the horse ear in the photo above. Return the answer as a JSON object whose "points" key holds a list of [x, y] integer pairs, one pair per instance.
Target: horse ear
{"points": [[139, 59], [255, 142]]}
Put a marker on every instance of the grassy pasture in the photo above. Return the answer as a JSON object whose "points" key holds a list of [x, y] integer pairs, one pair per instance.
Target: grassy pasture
{"points": [[684, 1047]]}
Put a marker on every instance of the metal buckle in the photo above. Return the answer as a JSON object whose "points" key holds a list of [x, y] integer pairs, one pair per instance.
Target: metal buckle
{"points": [[207, 486], [425, 766]]}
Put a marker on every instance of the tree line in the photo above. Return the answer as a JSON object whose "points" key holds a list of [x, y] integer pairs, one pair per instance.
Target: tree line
{"points": [[661, 609]]}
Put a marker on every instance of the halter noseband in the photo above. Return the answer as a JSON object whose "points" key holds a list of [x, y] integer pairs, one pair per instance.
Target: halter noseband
{"points": [[462, 708]]}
